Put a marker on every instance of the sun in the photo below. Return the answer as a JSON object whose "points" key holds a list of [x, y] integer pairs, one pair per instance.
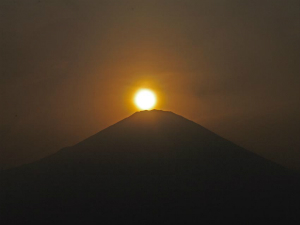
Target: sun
{"points": [[145, 99]]}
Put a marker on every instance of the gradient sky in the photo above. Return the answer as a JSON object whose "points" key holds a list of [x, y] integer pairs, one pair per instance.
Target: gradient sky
{"points": [[69, 68]]}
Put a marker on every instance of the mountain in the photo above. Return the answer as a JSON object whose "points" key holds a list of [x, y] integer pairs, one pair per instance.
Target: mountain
{"points": [[151, 166]]}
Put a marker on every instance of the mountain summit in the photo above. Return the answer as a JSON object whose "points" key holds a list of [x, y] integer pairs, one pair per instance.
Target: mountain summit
{"points": [[154, 162]]}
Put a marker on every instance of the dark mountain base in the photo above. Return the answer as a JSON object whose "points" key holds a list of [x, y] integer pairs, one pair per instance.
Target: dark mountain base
{"points": [[169, 207]]}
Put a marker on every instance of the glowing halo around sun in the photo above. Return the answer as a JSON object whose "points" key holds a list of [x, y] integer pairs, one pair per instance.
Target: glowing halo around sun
{"points": [[145, 99]]}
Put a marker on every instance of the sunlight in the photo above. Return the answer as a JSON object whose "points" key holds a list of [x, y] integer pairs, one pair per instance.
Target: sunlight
{"points": [[145, 99]]}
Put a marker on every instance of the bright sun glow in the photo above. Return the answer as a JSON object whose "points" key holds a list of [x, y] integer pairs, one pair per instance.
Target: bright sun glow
{"points": [[145, 99]]}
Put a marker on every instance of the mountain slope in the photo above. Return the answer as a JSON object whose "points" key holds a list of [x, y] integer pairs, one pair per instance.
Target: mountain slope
{"points": [[150, 159]]}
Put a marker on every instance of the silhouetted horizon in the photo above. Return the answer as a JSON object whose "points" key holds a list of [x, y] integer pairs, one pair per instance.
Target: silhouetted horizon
{"points": [[134, 115]]}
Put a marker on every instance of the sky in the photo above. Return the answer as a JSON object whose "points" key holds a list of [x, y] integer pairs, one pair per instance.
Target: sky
{"points": [[70, 68]]}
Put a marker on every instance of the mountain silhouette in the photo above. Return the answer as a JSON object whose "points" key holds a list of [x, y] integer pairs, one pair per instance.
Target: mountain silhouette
{"points": [[152, 166]]}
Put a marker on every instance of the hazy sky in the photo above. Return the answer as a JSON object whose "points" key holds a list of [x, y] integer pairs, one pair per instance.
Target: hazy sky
{"points": [[69, 68]]}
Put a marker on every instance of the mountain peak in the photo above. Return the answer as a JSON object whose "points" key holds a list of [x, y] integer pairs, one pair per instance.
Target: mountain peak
{"points": [[158, 118], [154, 112]]}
